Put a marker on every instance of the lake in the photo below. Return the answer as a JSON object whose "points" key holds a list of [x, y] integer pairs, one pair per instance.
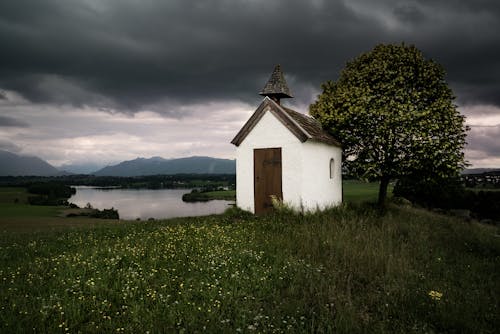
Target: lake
{"points": [[146, 203]]}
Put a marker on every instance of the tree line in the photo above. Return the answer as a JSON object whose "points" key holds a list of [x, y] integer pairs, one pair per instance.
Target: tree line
{"points": [[136, 182]]}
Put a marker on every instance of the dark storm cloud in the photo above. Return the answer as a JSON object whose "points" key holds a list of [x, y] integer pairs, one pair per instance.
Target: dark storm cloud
{"points": [[135, 54], [409, 13], [485, 139], [12, 122], [131, 55]]}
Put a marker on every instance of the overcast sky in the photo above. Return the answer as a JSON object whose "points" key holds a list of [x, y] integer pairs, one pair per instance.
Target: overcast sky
{"points": [[105, 81]]}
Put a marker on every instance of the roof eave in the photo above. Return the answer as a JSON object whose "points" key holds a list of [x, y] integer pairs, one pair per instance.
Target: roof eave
{"points": [[283, 116], [252, 121], [279, 113], [306, 134]]}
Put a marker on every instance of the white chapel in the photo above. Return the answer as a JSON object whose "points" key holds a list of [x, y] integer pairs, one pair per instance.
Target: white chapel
{"points": [[285, 154]]}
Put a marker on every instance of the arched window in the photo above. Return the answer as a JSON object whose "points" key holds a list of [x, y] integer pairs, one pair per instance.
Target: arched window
{"points": [[332, 168]]}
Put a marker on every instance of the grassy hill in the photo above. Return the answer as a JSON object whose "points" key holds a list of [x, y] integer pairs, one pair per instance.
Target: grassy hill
{"points": [[344, 270]]}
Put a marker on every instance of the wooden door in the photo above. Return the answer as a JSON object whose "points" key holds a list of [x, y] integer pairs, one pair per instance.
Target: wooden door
{"points": [[267, 178]]}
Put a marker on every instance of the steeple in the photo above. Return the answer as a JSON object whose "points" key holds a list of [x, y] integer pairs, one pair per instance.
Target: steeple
{"points": [[276, 88]]}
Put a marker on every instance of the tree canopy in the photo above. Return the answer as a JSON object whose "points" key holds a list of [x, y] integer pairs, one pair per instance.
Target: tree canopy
{"points": [[394, 114]]}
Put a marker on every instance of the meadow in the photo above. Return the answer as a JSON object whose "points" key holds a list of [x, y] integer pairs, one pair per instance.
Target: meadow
{"points": [[16, 215], [344, 270]]}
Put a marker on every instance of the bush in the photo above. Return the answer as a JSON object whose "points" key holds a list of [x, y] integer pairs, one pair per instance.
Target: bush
{"points": [[484, 204], [106, 214], [450, 194], [432, 193], [195, 196]]}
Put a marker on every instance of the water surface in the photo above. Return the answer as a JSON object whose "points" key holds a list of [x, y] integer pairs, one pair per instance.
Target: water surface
{"points": [[146, 203]]}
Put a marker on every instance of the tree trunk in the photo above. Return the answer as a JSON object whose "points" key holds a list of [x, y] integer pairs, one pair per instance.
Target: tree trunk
{"points": [[382, 191]]}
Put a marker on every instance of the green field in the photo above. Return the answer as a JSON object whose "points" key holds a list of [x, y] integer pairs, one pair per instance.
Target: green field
{"points": [[346, 270], [353, 191], [357, 191], [228, 195], [17, 215], [13, 195], [222, 194]]}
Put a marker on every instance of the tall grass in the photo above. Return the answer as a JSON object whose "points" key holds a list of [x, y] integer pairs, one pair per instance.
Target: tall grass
{"points": [[379, 270], [344, 270]]}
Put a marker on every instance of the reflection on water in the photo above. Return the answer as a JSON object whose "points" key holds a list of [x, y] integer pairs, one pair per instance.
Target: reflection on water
{"points": [[146, 203]]}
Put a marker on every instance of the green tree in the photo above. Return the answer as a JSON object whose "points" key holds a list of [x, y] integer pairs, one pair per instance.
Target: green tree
{"points": [[394, 113]]}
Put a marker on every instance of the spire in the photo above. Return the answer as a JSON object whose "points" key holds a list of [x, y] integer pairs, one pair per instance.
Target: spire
{"points": [[276, 88]]}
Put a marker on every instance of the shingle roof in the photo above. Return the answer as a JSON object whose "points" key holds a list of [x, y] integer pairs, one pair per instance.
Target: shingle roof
{"points": [[276, 85], [302, 126], [312, 126]]}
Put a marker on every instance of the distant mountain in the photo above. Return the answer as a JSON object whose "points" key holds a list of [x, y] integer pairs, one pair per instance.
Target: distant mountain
{"points": [[17, 165], [157, 165], [479, 170], [80, 168]]}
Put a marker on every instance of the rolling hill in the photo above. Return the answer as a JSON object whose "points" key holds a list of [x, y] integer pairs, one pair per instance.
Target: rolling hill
{"points": [[469, 171], [157, 165]]}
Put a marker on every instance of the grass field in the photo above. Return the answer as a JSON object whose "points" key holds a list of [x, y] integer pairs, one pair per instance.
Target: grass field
{"points": [[353, 191], [357, 191], [229, 195], [13, 195], [346, 270], [17, 215], [223, 194]]}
